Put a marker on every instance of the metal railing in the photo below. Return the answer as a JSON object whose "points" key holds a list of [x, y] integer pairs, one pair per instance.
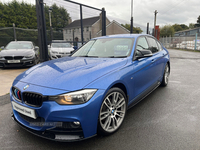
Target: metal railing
{"points": [[189, 43]]}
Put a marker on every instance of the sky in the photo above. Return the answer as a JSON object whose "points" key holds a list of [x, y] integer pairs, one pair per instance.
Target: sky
{"points": [[169, 11]]}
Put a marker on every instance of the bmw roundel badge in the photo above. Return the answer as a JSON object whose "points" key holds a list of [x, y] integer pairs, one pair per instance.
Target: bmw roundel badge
{"points": [[26, 87]]}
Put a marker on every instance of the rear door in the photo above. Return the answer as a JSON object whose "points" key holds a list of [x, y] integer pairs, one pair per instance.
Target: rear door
{"points": [[158, 64]]}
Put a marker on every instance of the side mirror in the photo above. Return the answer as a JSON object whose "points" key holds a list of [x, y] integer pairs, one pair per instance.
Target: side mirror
{"points": [[2, 47], [143, 54], [36, 48], [49, 46]]}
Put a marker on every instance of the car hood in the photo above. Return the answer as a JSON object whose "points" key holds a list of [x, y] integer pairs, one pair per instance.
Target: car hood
{"points": [[70, 73], [62, 49], [16, 52]]}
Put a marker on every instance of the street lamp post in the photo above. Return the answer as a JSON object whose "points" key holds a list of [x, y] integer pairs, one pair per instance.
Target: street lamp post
{"points": [[131, 16], [50, 11]]}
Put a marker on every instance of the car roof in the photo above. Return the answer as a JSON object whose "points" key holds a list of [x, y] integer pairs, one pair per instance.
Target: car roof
{"points": [[59, 41], [21, 42], [123, 36]]}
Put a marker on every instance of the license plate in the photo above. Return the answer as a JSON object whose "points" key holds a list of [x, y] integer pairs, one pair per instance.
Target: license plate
{"points": [[24, 110], [13, 61]]}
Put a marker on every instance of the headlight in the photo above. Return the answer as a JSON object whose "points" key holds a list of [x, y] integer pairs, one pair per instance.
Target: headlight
{"points": [[78, 97], [54, 52], [29, 56]]}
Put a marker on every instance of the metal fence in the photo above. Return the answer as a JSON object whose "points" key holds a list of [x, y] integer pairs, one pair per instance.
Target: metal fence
{"points": [[7, 35], [181, 42]]}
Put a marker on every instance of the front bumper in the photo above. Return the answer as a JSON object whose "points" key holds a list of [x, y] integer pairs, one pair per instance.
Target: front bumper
{"points": [[23, 62], [56, 56], [51, 112], [55, 135]]}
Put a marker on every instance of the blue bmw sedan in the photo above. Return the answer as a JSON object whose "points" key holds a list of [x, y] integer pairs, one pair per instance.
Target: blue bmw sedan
{"points": [[88, 93]]}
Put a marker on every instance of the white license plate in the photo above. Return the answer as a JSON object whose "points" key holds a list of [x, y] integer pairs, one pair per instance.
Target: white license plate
{"points": [[24, 110], [13, 61]]}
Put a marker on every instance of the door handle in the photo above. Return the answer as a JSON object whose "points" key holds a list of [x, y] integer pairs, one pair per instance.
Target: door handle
{"points": [[153, 60]]}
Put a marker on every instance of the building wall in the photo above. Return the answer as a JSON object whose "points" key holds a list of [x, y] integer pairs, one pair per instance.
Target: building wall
{"points": [[68, 33], [188, 33], [97, 27], [114, 28]]}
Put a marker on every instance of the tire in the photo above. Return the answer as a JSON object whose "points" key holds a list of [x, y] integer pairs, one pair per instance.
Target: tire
{"points": [[165, 79], [112, 112]]}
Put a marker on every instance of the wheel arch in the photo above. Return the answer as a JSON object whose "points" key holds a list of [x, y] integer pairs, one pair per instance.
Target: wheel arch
{"points": [[169, 66]]}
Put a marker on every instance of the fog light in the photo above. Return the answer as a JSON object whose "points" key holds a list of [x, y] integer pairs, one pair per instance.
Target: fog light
{"points": [[76, 123]]}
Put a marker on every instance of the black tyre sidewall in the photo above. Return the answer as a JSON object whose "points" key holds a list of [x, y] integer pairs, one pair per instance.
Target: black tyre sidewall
{"points": [[163, 80]]}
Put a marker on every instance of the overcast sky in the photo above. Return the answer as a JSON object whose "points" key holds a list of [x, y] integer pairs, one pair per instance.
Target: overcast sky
{"points": [[169, 11]]}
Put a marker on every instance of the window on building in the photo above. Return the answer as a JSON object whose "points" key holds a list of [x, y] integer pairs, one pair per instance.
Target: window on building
{"points": [[87, 29]]}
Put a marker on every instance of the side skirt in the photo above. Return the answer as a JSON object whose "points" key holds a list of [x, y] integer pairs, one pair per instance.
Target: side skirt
{"points": [[144, 94]]}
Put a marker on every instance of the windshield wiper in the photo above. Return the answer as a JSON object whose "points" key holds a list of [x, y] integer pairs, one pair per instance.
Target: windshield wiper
{"points": [[87, 56], [117, 56]]}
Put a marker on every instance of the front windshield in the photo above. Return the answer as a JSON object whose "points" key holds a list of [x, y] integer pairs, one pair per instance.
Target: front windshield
{"points": [[61, 45], [15, 45], [109, 47]]}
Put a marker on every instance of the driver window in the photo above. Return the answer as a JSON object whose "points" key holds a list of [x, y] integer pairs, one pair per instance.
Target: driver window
{"points": [[142, 44]]}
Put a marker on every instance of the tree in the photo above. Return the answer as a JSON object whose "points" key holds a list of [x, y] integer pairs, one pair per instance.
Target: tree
{"points": [[177, 27], [24, 15], [191, 26], [59, 18], [198, 22], [184, 27], [167, 30], [135, 29]]}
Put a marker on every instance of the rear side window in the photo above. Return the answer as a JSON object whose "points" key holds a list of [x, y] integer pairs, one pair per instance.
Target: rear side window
{"points": [[159, 46], [152, 45], [142, 44]]}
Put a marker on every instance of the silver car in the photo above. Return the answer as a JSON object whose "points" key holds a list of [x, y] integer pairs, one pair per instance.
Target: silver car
{"points": [[60, 49], [19, 53]]}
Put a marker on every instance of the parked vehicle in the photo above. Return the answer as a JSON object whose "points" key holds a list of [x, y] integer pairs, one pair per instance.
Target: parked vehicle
{"points": [[88, 93], [59, 49], [19, 53]]}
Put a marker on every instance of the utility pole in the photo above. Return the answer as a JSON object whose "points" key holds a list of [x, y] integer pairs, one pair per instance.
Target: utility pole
{"points": [[155, 23], [147, 28], [50, 10], [103, 22], [14, 32], [81, 15], [42, 36], [131, 30]]}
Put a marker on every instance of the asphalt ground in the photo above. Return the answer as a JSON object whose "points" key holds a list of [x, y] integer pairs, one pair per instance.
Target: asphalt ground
{"points": [[168, 119], [6, 78]]}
